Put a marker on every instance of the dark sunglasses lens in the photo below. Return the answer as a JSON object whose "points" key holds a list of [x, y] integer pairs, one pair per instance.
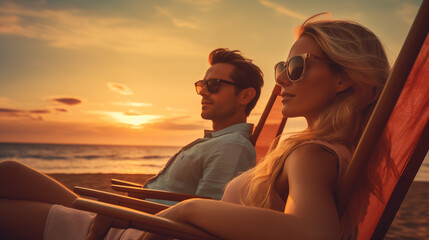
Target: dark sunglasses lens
{"points": [[213, 85], [199, 85], [278, 69], [295, 68]]}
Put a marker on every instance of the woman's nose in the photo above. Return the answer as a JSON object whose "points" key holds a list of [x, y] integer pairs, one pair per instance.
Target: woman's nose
{"points": [[282, 79]]}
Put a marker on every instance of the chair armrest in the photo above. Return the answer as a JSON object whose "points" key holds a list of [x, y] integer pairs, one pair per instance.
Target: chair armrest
{"points": [[143, 193], [144, 221], [138, 204], [125, 183]]}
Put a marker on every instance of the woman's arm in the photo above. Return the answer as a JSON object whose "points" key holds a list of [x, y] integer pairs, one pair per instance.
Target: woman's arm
{"points": [[312, 173], [310, 211], [231, 221]]}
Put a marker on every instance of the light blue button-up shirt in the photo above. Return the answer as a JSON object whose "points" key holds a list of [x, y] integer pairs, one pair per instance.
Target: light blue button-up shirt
{"points": [[204, 166]]}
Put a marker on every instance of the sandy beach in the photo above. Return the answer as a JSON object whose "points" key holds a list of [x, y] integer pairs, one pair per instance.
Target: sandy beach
{"points": [[411, 222]]}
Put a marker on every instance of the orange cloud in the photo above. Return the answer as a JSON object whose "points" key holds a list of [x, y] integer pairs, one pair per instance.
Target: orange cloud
{"points": [[132, 113], [204, 5], [170, 109], [406, 12], [282, 10], [191, 23], [74, 28], [39, 111], [3, 100], [133, 104], [119, 88], [15, 111], [177, 123], [24, 114], [8, 110], [67, 100]]}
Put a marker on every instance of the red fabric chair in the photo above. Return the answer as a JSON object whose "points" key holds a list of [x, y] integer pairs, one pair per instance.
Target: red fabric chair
{"points": [[270, 125], [408, 131], [401, 116]]}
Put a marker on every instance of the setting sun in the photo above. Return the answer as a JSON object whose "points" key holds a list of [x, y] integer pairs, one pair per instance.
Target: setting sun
{"points": [[134, 120]]}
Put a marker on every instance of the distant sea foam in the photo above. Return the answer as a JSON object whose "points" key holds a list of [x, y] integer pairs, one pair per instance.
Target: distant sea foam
{"points": [[70, 158]]}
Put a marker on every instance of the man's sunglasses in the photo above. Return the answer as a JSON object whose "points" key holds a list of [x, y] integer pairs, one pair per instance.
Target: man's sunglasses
{"points": [[295, 67], [213, 84]]}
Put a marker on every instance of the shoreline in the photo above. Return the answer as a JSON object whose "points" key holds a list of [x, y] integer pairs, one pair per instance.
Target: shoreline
{"points": [[411, 221]]}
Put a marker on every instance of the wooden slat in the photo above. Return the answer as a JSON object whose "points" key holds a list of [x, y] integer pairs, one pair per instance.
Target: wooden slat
{"points": [[125, 183], [143, 193], [122, 200]]}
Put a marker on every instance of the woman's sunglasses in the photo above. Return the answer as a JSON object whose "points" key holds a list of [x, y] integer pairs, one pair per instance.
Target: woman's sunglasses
{"points": [[295, 67], [213, 84]]}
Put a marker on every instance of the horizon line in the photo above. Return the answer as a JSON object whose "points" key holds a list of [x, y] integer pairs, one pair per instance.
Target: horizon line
{"points": [[87, 144]]}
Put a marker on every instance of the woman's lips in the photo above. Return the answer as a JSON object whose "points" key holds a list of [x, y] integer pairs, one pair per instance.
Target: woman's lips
{"points": [[287, 96]]}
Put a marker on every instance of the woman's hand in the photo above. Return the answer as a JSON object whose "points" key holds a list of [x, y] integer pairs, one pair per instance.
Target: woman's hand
{"points": [[178, 213]]}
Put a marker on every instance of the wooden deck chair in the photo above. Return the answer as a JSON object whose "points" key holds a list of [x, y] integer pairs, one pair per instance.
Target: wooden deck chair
{"points": [[407, 126], [407, 94], [270, 126]]}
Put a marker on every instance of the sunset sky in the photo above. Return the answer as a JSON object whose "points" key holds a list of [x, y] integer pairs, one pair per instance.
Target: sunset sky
{"points": [[122, 72]]}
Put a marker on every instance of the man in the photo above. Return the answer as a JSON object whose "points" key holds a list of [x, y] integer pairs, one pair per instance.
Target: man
{"points": [[230, 90]]}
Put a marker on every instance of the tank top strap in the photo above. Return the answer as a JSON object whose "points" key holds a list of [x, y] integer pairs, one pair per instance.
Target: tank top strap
{"points": [[341, 152]]}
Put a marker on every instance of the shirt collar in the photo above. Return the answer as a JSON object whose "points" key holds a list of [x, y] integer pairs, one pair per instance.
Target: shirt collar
{"points": [[244, 128]]}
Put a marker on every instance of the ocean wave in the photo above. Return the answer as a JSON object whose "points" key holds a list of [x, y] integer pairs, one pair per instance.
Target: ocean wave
{"points": [[43, 157], [152, 165], [86, 157], [118, 157], [91, 157], [154, 157], [7, 156]]}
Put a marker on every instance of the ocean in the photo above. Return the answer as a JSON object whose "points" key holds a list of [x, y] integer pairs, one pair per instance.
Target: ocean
{"points": [[71, 158]]}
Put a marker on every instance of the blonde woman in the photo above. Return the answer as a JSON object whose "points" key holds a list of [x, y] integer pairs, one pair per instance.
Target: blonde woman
{"points": [[332, 77]]}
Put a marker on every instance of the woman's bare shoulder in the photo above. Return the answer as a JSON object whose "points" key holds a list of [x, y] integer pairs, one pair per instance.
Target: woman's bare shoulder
{"points": [[312, 162]]}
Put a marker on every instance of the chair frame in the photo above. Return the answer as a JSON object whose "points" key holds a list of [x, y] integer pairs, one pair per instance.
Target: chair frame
{"points": [[385, 105], [402, 186]]}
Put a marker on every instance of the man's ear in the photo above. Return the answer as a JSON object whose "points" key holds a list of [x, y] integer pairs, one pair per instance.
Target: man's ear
{"points": [[247, 95]]}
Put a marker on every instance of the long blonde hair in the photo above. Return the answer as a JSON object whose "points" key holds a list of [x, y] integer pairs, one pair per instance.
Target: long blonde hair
{"points": [[360, 59]]}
